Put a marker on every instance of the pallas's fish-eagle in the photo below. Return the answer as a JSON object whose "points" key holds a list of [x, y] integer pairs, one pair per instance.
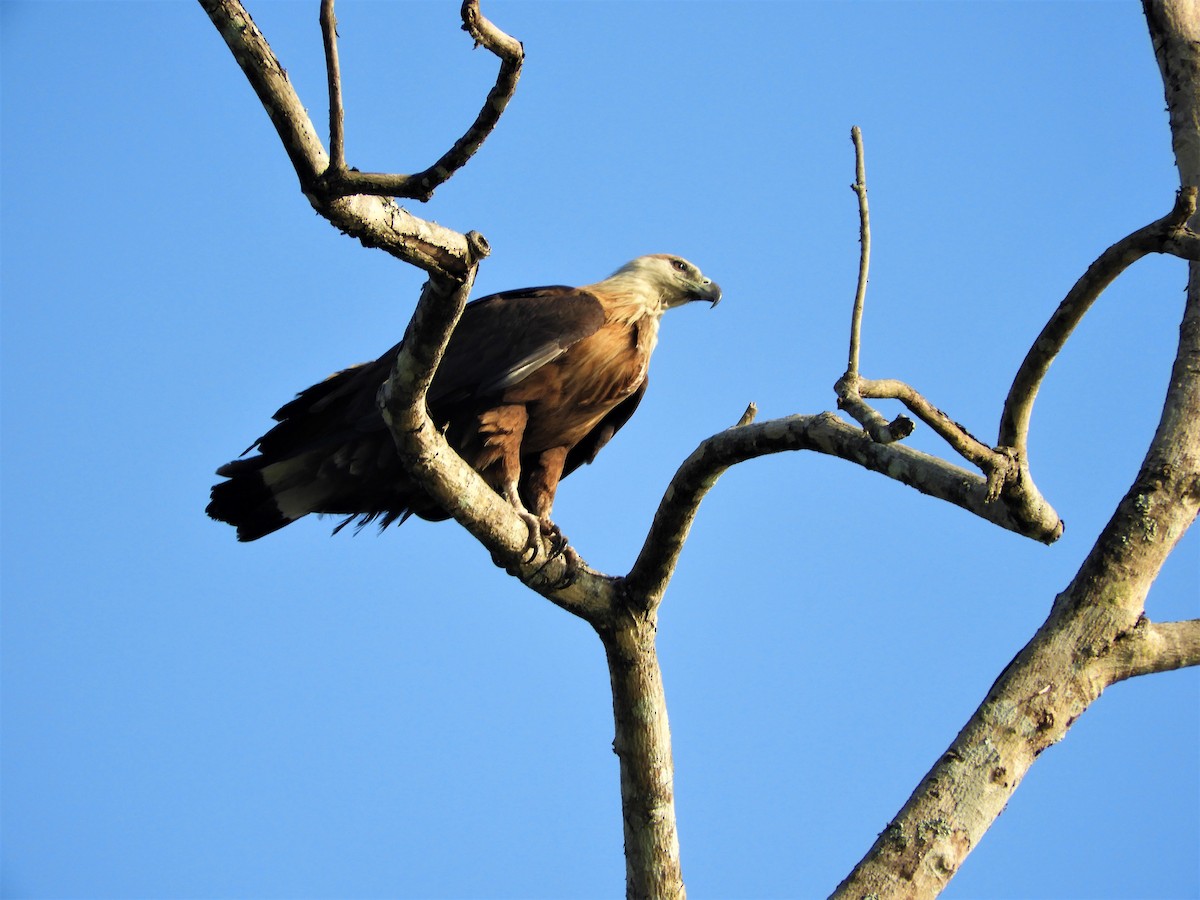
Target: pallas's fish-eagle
{"points": [[533, 383]]}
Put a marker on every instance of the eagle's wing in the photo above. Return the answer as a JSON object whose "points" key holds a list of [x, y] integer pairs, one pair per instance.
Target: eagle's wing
{"points": [[504, 338], [500, 340], [585, 451]]}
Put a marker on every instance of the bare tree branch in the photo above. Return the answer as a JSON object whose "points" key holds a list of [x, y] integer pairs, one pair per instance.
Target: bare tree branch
{"points": [[1006, 474], [1169, 231], [339, 181], [847, 388], [1096, 632], [1154, 647], [864, 257], [1084, 646], [333, 74], [823, 433], [960, 440], [375, 221]]}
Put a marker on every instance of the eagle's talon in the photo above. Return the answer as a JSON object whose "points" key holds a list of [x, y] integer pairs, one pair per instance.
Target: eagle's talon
{"points": [[554, 536], [571, 571], [572, 563]]}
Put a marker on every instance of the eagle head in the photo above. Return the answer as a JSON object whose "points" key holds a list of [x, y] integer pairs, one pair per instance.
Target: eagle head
{"points": [[673, 279]]}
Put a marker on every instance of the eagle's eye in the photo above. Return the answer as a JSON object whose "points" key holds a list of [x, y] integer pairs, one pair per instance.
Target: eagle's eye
{"points": [[679, 265]]}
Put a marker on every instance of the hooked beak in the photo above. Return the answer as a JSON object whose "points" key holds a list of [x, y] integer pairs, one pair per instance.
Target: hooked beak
{"points": [[708, 290]]}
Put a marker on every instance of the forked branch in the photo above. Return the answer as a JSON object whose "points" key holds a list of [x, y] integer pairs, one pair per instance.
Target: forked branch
{"points": [[375, 221], [339, 181], [1096, 634], [1154, 647], [1003, 471]]}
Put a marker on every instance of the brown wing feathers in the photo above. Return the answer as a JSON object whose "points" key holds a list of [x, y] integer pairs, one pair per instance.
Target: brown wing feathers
{"points": [[332, 453]]}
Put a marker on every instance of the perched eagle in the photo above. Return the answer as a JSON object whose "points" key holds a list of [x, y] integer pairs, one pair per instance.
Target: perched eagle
{"points": [[533, 383]]}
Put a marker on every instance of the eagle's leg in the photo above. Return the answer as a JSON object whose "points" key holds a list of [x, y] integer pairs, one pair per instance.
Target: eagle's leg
{"points": [[539, 484], [500, 431], [510, 492]]}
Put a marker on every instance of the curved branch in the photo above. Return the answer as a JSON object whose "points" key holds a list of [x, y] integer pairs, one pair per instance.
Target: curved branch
{"points": [[339, 181], [823, 433], [960, 440], [1169, 232]]}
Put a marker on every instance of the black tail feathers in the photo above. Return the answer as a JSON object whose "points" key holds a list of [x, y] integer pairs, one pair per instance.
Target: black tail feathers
{"points": [[247, 503]]}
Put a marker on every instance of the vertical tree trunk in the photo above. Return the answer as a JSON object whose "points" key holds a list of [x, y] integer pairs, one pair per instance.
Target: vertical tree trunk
{"points": [[643, 745]]}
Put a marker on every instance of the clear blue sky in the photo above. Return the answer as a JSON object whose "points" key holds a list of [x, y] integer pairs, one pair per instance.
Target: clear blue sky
{"points": [[390, 716]]}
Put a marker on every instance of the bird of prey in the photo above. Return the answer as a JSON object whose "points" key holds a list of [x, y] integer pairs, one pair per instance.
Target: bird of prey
{"points": [[533, 384]]}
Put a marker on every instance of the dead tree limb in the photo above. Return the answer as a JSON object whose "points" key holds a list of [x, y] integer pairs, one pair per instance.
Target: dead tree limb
{"points": [[340, 181], [822, 433], [1007, 478], [376, 221], [1097, 632]]}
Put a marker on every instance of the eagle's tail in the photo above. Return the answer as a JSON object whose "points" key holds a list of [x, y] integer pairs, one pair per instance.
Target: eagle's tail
{"points": [[262, 497]]}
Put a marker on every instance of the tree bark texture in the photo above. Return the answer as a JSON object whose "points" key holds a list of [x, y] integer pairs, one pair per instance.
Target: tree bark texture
{"points": [[643, 746]]}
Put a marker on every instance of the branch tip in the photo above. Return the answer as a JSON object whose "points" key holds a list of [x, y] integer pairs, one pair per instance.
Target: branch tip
{"points": [[478, 246]]}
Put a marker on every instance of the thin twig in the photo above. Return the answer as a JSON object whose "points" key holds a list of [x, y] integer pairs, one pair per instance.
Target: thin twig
{"points": [[850, 399], [960, 440], [333, 72], [864, 257]]}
